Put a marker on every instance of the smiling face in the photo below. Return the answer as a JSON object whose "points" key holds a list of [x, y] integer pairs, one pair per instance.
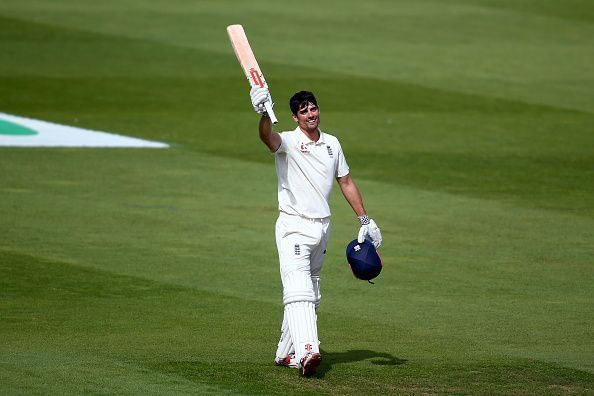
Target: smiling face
{"points": [[308, 117]]}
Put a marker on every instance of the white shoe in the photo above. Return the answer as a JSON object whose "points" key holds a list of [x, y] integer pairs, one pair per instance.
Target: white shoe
{"points": [[287, 361], [310, 363]]}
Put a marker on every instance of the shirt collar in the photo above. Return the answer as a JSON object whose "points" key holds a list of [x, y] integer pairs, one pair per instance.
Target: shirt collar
{"points": [[305, 139]]}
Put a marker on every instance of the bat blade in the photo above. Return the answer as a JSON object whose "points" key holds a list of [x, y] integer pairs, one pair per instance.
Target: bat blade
{"points": [[248, 62]]}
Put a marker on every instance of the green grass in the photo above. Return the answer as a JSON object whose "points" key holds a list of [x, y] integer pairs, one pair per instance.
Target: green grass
{"points": [[467, 124]]}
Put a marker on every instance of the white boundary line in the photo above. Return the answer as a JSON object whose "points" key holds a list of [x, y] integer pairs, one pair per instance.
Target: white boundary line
{"points": [[50, 134]]}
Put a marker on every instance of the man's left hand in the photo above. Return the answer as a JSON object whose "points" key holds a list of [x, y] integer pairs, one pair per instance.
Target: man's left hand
{"points": [[369, 230]]}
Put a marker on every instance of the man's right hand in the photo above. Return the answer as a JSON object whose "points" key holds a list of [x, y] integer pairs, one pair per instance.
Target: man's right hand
{"points": [[259, 95]]}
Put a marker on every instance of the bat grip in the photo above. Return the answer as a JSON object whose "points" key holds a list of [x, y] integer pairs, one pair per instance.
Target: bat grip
{"points": [[270, 111]]}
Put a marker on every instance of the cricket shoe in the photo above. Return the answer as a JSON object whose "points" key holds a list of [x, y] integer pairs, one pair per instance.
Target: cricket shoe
{"points": [[287, 361], [310, 363]]}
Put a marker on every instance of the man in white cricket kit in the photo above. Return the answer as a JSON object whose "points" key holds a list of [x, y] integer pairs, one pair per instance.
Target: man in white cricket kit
{"points": [[307, 162]]}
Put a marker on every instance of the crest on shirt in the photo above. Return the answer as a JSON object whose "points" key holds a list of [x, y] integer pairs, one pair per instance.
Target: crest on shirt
{"points": [[303, 147]]}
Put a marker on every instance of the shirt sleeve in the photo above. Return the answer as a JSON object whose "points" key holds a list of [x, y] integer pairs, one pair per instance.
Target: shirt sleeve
{"points": [[342, 168], [283, 146]]}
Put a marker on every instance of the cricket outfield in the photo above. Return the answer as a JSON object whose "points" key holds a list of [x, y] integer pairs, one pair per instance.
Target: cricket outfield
{"points": [[467, 124]]}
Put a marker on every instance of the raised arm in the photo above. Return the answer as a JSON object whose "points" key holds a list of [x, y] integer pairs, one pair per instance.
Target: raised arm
{"points": [[271, 139]]}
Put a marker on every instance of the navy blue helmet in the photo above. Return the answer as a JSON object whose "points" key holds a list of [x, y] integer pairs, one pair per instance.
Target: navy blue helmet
{"points": [[364, 260]]}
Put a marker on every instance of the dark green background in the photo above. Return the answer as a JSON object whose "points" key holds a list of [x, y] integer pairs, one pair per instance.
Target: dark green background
{"points": [[468, 126]]}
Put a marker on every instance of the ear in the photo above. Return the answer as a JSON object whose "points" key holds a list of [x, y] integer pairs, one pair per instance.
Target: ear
{"points": [[295, 118]]}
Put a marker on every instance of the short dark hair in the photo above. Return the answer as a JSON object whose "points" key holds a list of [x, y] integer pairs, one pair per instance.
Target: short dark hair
{"points": [[301, 100]]}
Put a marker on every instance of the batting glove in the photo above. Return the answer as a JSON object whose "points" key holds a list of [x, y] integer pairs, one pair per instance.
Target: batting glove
{"points": [[369, 230], [259, 95]]}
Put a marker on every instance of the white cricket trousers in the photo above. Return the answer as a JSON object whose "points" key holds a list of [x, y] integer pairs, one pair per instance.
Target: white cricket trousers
{"points": [[301, 244]]}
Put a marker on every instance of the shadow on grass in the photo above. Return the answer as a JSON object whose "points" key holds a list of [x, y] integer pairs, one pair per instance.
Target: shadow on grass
{"points": [[375, 358]]}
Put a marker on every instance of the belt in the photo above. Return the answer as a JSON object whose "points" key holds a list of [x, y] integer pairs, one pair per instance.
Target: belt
{"points": [[313, 220]]}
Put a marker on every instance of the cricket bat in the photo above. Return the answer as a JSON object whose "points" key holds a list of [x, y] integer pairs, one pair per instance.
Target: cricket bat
{"points": [[248, 62]]}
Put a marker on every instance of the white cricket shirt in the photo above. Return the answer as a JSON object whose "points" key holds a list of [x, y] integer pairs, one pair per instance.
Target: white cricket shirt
{"points": [[306, 171]]}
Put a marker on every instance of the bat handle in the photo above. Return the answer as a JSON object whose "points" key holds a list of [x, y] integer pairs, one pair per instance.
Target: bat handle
{"points": [[270, 111]]}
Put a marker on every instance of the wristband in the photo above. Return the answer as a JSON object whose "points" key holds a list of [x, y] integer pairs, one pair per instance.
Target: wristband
{"points": [[363, 220]]}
